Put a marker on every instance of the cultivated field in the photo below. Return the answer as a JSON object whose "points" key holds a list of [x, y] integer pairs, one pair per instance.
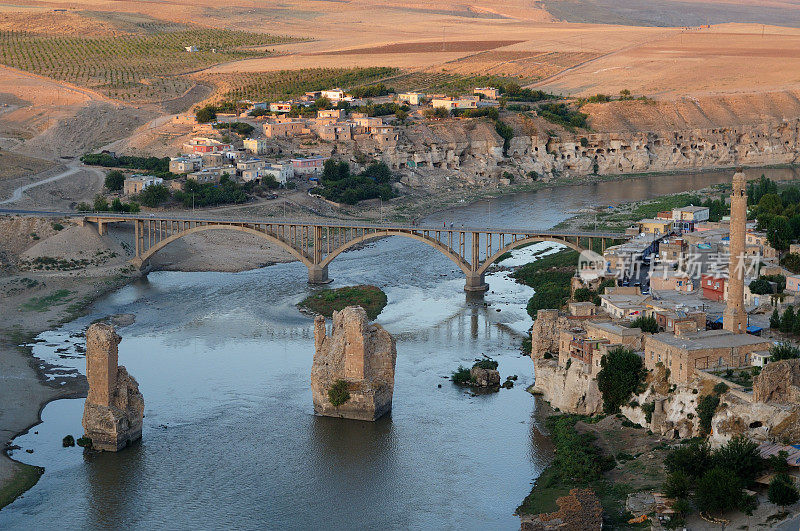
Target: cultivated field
{"points": [[287, 83], [145, 65]]}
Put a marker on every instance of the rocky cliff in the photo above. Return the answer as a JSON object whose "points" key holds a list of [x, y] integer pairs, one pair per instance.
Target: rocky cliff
{"points": [[114, 408], [357, 360], [469, 151], [570, 389], [778, 382]]}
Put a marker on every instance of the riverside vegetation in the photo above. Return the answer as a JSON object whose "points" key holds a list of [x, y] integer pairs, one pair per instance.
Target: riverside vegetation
{"points": [[327, 301]]}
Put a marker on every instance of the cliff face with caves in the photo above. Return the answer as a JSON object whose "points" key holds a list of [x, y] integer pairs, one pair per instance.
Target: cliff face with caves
{"points": [[623, 138], [472, 152]]}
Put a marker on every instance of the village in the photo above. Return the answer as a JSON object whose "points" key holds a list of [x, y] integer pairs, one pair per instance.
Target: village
{"points": [[706, 326], [206, 159]]}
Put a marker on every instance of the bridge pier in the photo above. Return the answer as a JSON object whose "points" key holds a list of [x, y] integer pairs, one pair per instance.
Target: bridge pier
{"points": [[318, 275], [476, 282]]}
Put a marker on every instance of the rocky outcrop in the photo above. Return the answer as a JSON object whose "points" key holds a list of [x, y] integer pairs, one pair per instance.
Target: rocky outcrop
{"points": [[571, 389], [545, 333], [579, 511], [114, 407], [778, 382], [360, 355], [485, 377]]}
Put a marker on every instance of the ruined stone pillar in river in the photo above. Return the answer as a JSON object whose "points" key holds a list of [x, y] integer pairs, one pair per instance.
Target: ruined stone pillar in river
{"points": [[353, 372], [114, 408]]}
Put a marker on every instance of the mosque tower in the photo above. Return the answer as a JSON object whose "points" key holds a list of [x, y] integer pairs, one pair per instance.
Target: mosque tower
{"points": [[734, 318]]}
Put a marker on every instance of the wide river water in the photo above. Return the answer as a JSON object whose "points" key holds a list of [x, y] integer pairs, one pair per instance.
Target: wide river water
{"points": [[230, 440]]}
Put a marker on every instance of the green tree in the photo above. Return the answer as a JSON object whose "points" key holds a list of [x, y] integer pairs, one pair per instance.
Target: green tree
{"points": [[206, 114], [760, 286], [646, 324], [741, 455], [791, 261], [718, 490], [782, 490], [100, 203], [775, 320], [787, 320], [621, 374], [783, 351], [692, 459], [115, 180], [758, 189], [323, 103], [154, 195], [401, 115], [706, 407], [779, 233], [677, 485]]}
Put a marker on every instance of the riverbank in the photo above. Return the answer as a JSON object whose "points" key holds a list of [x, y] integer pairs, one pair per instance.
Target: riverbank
{"points": [[35, 302]]}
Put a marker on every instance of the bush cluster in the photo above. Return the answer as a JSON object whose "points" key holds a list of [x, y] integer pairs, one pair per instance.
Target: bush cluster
{"points": [[718, 478], [339, 185]]}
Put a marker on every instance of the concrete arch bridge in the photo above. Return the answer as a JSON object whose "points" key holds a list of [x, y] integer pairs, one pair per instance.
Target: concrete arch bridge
{"points": [[316, 245]]}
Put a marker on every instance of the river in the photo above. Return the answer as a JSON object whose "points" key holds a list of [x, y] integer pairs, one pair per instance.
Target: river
{"points": [[230, 440]]}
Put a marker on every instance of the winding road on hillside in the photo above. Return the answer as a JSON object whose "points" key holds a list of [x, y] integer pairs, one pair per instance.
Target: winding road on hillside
{"points": [[72, 169]]}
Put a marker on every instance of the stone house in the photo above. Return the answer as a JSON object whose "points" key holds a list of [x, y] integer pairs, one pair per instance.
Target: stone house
{"points": [[136, 183], [707, 349]]}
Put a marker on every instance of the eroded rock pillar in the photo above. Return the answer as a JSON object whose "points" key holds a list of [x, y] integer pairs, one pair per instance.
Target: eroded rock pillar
{"points": [[353, 371], [114, 408]]}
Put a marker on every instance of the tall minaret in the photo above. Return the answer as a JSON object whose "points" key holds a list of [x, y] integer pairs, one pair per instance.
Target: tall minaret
{"points": [[734, 319]]}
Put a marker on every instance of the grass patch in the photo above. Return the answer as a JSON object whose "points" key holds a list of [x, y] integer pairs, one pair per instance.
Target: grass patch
{"points": [[24, 478], [42, 304], [325, 302]]}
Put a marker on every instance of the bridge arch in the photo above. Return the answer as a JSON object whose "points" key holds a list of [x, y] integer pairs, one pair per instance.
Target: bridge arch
{"points": [[526, 241], [269, 237], [456, 259]]}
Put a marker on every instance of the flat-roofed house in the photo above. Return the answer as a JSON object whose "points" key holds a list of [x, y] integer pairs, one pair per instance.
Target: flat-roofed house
{"points": [[793, 284], [136, 183], [655, 226], [707, 349], [310, 166], [450, 103], [185, 164], [412, 98], [205, 145], [281, 106], [256, 146], [487, 92], [335, 95], [336, 114], [686, 218], [284, 128]]}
